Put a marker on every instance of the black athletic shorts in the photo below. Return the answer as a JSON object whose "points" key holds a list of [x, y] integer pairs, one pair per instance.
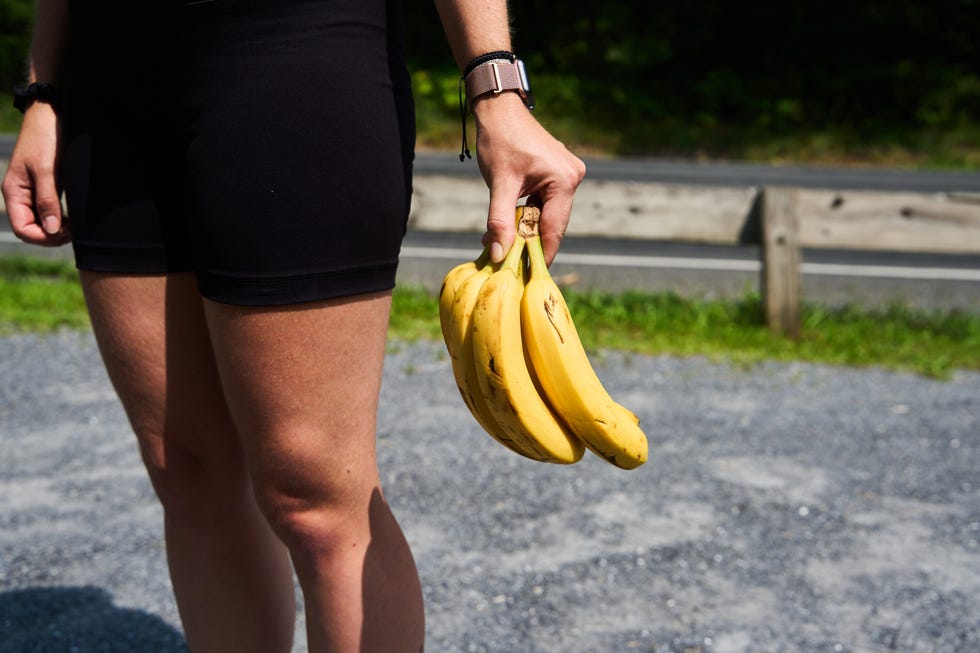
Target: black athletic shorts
{"points": [[265, 145]]}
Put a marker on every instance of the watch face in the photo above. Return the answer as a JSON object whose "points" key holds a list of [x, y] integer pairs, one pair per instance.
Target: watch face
{"points": [[522, 71], [525, 84]]}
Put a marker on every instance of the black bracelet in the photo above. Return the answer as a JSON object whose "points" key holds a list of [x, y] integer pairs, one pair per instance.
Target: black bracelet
{"points": [[36, 92], [489, 56]]}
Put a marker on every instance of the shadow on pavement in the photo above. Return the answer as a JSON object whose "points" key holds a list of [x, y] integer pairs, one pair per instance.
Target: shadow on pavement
{"points": [[79, 620]]}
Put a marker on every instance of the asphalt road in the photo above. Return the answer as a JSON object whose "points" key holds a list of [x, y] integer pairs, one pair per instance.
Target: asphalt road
{"points": [[644, 169], [714, 173], [785, 508]]}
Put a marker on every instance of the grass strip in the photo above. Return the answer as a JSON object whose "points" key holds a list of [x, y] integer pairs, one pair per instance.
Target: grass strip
{"points": [[39, 295], [931, 343]]}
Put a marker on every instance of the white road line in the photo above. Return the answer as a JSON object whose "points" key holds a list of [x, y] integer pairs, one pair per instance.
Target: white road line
{"points": [[891, 272], [690, 263], [724, 265]]}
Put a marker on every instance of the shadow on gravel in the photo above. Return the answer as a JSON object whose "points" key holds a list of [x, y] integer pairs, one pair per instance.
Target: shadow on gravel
{"points": [[80, 620]]}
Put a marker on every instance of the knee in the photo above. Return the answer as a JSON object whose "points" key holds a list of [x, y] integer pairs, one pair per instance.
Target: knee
{"points": [[194, 482], [315, 524]]}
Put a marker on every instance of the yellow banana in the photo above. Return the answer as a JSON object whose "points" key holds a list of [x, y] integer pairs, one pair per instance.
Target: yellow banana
{"points": [[450, 286], [503, 373], [464, 367], [568, 381], [456, 299]]}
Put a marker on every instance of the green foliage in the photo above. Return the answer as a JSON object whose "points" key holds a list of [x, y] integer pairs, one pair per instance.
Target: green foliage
{"points": [[895, 82], [16, 18], [10, 117], [713, 77]]}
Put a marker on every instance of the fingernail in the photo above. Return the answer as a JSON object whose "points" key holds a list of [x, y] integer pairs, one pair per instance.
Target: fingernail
{"points": [[50, 224], [496, 252]]}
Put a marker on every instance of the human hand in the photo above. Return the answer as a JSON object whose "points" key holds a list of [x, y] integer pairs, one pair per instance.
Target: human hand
{"points": [[30, 188], [518, 157]]}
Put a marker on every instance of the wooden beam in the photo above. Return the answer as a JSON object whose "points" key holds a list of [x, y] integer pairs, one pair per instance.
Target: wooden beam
{"points": [[903, 222]]}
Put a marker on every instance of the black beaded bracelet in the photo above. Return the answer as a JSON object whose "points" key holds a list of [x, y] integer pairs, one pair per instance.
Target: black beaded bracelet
{"points": [[36, 92], [489, 56]]}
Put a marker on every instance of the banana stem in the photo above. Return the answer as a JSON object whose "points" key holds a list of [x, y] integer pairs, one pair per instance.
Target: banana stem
{"points": [[535, 253], [513, 260], [483, 259]]}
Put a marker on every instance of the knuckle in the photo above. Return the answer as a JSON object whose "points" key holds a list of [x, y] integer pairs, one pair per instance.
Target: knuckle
{"points": [[496, 224], [44, 168], [47, 203]]}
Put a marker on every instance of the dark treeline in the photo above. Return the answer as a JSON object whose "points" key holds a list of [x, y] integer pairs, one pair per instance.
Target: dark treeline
{"points": [[773, 64], [779, 66]]}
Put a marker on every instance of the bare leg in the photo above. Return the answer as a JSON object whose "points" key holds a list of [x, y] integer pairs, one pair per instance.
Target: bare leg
{"points": [[302, 384], [231, 575]]}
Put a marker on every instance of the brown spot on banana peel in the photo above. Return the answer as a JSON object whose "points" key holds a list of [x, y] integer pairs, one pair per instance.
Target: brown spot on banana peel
{"points": [[610, 457], [549, 309]]}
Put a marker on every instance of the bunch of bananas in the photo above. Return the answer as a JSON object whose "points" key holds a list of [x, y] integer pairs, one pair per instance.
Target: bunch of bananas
{"points": [[519, 364]]}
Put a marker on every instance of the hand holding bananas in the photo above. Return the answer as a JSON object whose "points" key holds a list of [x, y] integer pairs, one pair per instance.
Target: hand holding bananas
{"points": [[519, 364]]}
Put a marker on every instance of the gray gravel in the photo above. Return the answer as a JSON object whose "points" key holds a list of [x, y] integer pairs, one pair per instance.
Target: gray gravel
{"points": [[786, 507]]}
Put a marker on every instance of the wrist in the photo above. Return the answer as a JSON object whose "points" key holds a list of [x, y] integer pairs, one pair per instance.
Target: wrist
{"points": [[35, 93], [495, 79], [497, 73], [492, 105]]}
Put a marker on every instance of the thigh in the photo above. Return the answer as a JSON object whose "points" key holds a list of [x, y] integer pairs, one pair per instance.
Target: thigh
{"points": [[302, 383], [153, 339]]}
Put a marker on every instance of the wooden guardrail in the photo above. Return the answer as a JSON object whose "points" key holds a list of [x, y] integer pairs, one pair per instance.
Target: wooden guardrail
{"points": [[782, 220], [792, 219]]}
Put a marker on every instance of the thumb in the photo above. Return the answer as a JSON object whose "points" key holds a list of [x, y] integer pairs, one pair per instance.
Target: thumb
{"points": [[501, 222], [47, 203]]}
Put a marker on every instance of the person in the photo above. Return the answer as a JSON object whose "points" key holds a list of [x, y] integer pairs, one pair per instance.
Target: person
{"points": [[237, 177]]}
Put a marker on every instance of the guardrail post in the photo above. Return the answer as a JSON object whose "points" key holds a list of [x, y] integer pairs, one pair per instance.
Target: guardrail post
{"points": [[781, 278]]}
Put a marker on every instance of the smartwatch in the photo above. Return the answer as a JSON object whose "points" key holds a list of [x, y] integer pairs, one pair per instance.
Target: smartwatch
{"points": [[497, 76]]}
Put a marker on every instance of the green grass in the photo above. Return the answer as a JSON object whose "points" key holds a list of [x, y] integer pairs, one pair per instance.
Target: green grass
{"points": [[932, 343], [40, 296]]}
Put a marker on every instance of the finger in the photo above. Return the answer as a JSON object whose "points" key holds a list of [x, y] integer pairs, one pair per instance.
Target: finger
{"points": [[47, 204], [500, 220], [25, 226], [19, 201], [555, 214], [24, 223]]}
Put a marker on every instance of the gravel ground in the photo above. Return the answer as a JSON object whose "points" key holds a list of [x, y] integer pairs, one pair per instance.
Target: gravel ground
{"points": [[786, 507]]}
